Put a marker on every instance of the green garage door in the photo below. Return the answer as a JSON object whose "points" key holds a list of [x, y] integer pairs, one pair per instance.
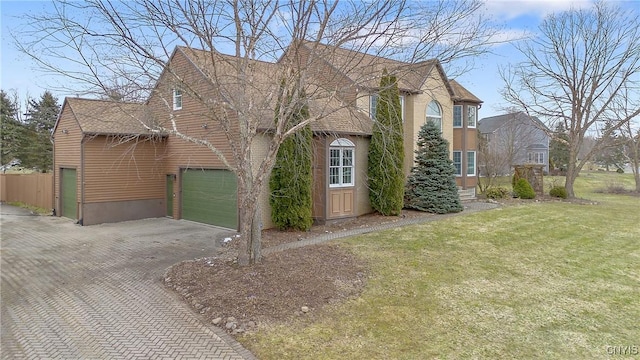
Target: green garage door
{"points": [[69, 193], [210, 197]]}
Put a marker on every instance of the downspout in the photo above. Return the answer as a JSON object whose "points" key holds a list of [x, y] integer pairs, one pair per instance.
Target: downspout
{"points": [[465, 128], [81, 207], [52, 138]]}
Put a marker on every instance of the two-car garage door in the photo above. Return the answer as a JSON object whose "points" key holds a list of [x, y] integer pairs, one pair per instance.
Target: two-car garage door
{"points": [[210, 197]]}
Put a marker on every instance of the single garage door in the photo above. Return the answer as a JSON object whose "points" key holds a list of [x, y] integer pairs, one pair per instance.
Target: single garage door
{"points": [[69, 193], [210, 197]]}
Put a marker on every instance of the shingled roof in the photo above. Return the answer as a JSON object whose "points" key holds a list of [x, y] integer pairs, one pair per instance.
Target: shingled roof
{"points": [[104, 117], [365, 70], [462, 94], [491, 124], [335, 116]]}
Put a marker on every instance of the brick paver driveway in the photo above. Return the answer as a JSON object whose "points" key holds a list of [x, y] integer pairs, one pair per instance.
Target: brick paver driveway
{"points": [[72, 292]]}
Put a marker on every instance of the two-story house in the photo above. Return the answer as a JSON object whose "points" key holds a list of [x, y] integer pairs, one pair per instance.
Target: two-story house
{"points": [[514, 139], [111, 166]]}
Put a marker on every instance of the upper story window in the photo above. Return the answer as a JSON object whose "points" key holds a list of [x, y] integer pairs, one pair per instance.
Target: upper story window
{"points": [[434, 114], [536, 157], [341, 162], [472, 116], [457, 116], [177, 99], [373, 102]]}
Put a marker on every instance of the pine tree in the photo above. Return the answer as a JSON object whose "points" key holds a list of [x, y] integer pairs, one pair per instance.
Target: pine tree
{"points": [[291, 178], [386, 151], [431, 186], [11, 131], [559, 149], [41, 118], [612, 149]]}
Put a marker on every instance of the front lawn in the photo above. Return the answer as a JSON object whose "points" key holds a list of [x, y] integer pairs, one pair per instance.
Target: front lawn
{"points": [[539, 280]]}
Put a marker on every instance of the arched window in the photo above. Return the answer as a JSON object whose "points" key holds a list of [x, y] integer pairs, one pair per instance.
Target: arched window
{"points": [[434, 114], [341, 160]]}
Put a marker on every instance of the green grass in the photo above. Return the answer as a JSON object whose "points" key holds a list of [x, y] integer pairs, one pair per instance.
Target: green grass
{"points": [[541, 280]]}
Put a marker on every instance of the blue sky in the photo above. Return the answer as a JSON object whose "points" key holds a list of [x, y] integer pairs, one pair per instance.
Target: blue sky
{"points": [[519, 18]]}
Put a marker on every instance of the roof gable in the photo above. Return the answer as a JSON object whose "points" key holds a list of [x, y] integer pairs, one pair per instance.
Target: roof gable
{"points": [[365, 70], [108, 117], [462, 94], [493, 123]]}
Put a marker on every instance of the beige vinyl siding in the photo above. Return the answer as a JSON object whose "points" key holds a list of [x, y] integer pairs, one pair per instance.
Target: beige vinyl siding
{"points": [[191, 121], [362, 206], [410, 132], [259, 152], [434, 88], [67, 150], [115, 171]]}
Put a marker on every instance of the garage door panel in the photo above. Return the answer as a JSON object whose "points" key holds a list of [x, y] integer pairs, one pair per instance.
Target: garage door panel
{"points": [[69, 193], [210, 197]]}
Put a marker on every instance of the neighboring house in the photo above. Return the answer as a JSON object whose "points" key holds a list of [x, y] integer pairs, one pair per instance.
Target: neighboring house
{"points": [[168, 176], [513, 139]]}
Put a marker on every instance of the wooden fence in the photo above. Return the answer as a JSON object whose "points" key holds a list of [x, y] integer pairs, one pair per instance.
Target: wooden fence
{"points": [[32, 189]]}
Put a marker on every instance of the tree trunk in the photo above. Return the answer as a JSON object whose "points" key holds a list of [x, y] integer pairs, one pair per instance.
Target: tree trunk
{"points": [[255, 247], [636, 174], [250, 236], [570, 177]]}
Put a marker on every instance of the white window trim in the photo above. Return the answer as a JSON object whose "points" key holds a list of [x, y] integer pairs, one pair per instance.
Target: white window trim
{"points": [[458, 174], [461, 116], [402, 107], [475, 159], [341, 145], [536, 157], [439, 118], [177, 94], [475, 116]]}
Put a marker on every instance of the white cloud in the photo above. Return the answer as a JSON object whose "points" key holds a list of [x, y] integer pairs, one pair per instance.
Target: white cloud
{"points": [[511, 9], [509, 35]]}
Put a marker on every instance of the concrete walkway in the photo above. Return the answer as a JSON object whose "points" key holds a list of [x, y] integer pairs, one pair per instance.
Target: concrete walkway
{"points": [[72, 292], [469, 208]]}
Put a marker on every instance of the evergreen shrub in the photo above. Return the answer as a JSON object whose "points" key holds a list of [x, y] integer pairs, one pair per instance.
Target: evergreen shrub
{"points": [[523, 189], [558, 191], [431, 186], [496, 193]]}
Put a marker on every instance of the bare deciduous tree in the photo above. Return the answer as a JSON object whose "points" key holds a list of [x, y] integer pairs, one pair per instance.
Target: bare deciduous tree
{"points": [[109, 45], [630, 132], [574, 72], [507, 145]]}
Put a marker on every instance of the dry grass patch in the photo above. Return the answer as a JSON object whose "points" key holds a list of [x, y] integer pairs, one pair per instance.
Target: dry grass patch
{"points": [[538, 280]]}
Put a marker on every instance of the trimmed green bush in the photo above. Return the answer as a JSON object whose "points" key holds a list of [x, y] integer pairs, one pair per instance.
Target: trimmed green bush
{"points": [[386, 151], [496, 193], [619, 171], [523, 189], [558, 191], [291, 178]]}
